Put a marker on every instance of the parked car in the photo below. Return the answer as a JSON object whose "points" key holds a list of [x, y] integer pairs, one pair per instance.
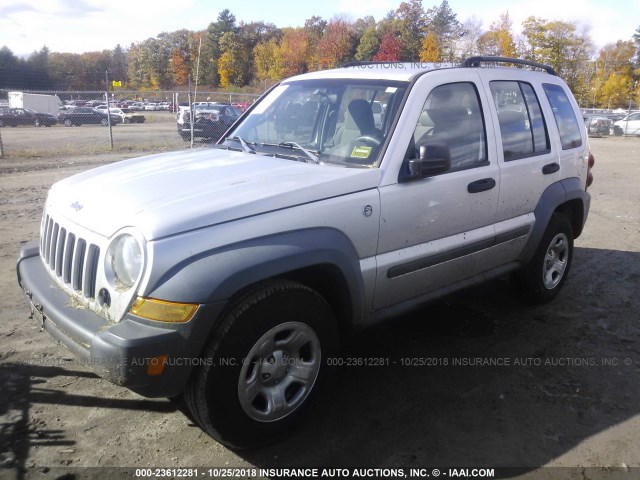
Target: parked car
{"points": [[151, 106], [137, 106], [183, 110], [200, 109], [242, 106], [87, 115], [132, 116], [598, 126], [211, 122], [13, 117], [125, 115], [71, 104], [228, 275], [630, 125]]}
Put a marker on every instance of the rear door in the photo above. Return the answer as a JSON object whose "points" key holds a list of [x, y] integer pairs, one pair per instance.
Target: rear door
{"points": [[528, 159]]}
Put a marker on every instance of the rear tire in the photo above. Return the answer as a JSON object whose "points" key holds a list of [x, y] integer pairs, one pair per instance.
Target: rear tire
{"points": [[263, 365], [104, 122], [68, 123], [543, 277]]}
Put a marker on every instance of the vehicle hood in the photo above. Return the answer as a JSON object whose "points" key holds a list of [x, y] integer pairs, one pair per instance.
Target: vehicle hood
{"points": [[174, 192]]}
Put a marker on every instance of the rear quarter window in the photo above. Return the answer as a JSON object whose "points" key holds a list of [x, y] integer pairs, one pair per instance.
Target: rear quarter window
{"points": [[568, 127]]}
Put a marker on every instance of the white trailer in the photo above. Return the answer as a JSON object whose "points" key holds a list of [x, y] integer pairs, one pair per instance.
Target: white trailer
{"points": [[34, 101]]}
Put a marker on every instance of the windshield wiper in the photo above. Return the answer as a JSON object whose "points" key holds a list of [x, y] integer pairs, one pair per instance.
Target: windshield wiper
{"points": [[311, 156], [242, 142]]}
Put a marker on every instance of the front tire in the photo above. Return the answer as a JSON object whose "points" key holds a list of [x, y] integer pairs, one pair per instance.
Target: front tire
{"points": [[541, 280], [264, 365]]}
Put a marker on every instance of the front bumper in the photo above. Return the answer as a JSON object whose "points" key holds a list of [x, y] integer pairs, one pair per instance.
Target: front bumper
{"points": [[125, 353]]}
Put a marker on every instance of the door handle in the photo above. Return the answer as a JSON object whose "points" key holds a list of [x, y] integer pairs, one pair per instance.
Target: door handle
{"points": [[550, 168], [481, 185]]}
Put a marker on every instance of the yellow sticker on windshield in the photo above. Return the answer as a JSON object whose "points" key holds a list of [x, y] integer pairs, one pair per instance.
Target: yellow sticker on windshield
{"points": [[361, 152]]}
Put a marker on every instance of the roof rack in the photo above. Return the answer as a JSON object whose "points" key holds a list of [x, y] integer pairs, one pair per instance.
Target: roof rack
{"points": [[476, 61]]}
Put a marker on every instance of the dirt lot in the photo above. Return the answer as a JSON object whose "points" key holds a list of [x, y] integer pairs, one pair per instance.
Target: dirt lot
{"points": [[562, 390]]}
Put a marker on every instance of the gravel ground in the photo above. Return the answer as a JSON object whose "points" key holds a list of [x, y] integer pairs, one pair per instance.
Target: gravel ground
{"points": [[563, 394]]}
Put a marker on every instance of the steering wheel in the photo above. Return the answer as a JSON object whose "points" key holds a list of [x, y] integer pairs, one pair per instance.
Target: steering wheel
{"points": [[368, 138]]}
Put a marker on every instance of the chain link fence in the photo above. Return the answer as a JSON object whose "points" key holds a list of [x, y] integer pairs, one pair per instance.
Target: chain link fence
{"points": [[61, 124]]}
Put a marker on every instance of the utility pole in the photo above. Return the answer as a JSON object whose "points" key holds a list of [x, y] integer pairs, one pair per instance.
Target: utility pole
{"points": [[109, 112], [191, 112]]}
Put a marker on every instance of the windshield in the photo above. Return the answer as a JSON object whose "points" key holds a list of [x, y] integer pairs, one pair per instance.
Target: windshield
{"points": [[342, 121]]}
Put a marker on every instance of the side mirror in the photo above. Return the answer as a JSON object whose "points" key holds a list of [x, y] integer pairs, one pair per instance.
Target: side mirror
{"points": [[434, 158]]}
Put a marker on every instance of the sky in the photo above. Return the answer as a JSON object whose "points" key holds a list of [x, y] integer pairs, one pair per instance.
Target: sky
{"points": [[88, 25]]}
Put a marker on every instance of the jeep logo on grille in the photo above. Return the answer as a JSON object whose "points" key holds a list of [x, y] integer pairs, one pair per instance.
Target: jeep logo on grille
{"points": [[77, 206]]}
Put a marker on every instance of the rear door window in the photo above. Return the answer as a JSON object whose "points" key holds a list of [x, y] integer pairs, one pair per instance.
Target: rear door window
{"points": [[522, 125]]}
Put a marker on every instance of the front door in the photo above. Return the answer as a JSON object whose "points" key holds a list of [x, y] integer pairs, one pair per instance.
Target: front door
{"points": [[436, 231]]}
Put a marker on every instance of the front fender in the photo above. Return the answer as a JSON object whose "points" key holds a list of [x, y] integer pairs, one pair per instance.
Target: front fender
{"points": [[216, 275]]}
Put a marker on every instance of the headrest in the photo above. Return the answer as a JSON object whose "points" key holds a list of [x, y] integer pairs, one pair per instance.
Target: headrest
{"points": [[425, 119], [362, 115]]}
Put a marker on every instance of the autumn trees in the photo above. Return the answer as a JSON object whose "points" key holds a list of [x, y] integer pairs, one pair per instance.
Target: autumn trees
{"points": [[232, 54], [615, 75]]}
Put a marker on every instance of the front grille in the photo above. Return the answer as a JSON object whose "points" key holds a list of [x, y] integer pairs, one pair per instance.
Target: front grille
{"points": [[72, 259]]}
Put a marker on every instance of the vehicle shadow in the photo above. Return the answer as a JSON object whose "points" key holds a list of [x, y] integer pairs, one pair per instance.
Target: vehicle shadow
{"points": [[481, 380], [21, 389]]}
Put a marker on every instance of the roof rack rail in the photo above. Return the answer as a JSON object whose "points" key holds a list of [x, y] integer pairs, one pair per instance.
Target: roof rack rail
{"points": [[476, 61]]}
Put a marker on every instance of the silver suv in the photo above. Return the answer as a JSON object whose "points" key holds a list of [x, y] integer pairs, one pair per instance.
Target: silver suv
{"points": [[228, 274]]}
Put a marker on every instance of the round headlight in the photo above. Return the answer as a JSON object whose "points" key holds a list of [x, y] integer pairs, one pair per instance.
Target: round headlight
{"points": [[124, 261]]}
